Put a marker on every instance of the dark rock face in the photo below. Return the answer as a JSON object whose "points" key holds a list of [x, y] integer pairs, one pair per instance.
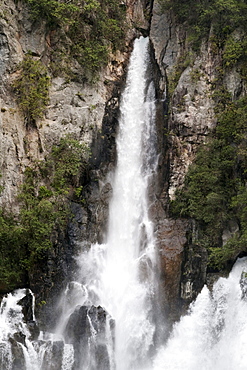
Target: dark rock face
{"points": [[20, 338], [27, 310], [53, 356], [27, 304], [18, 360], [33, 329], [88, 332], [171, 239], [194, 268]]}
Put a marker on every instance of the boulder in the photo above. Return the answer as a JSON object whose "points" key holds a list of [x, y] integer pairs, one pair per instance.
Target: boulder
{"points": [[87, 330]]}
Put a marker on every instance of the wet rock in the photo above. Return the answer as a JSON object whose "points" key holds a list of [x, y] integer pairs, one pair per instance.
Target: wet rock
{"points": [[53, 356], [33, 329], [102, 357], [194, 267], [20, 337], [87, 331], [171, 240], [78, 326], [18, 360], [27, 307]]}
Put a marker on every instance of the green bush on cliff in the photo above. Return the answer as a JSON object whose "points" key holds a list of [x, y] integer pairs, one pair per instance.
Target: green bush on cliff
{"points": [[214, 191], [65, 164], [32, 88], [95, 27], [43, 198], [224, 16], [55, 12]]}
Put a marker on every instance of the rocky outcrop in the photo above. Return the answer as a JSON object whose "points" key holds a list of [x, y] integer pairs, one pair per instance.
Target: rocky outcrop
{"points": [[171, 239], [75, 106], [190, 118], [27, 303], [189, 79], [53, 355], [90, 330]]}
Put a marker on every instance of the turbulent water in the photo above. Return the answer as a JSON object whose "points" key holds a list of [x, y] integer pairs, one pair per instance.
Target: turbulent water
{"points": [[108, 314], [214, 334], [126, 278], [119, 275]]}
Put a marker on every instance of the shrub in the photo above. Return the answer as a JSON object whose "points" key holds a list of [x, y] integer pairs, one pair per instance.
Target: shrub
{"points": [[224, 15], [95, 27], [32, 88]]}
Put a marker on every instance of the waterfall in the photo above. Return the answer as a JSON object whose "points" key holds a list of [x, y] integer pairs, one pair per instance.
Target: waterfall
{"points": [[214, 333], [126, 282], [119, 274], [16, 347]]}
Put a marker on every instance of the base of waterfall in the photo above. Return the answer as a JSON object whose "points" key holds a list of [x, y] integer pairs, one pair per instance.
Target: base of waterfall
{"points": [[24, 347], [213, 334]]}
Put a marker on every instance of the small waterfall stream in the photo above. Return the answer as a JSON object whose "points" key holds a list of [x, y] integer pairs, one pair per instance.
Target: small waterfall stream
{"points": [[107, 319]]}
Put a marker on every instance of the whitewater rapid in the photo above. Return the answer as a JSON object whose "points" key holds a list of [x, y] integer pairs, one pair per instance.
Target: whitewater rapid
{"points": [[213, 335]]}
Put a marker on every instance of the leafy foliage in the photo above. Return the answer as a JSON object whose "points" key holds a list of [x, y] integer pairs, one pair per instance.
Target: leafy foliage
{"points": [[32, 88], [25, 238], [94, 26], [55, 12], [224, 15], [65, 164]]}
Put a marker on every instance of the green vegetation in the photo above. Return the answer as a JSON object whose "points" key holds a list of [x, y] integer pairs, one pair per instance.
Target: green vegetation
{"points": [[65, 164], [95, 27], [32, 88], [215, 190], [26, 237], [183, 62], [215, 21], [224, 16]]}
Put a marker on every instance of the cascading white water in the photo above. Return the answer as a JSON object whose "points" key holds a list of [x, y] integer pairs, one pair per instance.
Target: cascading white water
{"points": [[12, 325], [119, 275], [130, 241], [214, 334]]}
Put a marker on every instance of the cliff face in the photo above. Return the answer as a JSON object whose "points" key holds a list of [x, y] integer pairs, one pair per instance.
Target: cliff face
{"points": [[74, 107], [191, 85]]}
